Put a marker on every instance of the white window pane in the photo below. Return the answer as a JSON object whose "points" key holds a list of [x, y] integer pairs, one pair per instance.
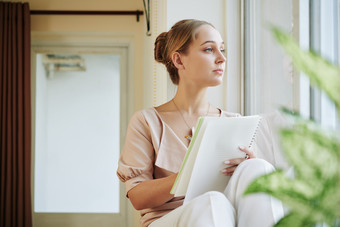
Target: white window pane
{"points": [[304, 43], [328, 112], [77, 138], [328, 49]]}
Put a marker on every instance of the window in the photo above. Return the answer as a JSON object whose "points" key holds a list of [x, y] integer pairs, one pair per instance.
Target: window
{"points": [[319, 28], [268, 82], [269, 79]]}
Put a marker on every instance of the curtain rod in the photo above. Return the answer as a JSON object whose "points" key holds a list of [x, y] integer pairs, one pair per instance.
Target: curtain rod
{"points": [[77, 12]]}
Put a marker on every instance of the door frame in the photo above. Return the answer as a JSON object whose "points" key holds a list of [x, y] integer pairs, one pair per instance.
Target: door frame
{"points": [[87, 43]]}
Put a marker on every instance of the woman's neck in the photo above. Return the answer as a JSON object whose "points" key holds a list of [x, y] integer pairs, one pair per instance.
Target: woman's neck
{"points": [[191, 101]]}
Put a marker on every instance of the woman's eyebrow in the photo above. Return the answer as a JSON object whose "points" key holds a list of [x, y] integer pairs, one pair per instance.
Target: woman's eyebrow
{"points": [[211, 41]]}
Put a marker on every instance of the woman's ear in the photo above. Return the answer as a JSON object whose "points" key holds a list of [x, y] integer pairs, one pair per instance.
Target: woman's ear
{"points": [[176, 59]]}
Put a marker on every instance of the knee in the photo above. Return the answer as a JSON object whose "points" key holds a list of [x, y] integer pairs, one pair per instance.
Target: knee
{"points": [[214, 195], [209, 209], [212, 200], [258, 163]]}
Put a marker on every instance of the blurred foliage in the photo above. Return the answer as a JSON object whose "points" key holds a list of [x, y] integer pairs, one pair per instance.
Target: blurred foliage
{"points": [[313, 194]]}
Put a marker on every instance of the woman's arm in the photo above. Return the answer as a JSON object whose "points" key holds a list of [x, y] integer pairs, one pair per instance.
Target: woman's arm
{"points": [[152, 193]]}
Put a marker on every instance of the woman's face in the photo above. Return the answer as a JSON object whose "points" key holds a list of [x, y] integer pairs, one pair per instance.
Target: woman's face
{"points": [[204, 62]]}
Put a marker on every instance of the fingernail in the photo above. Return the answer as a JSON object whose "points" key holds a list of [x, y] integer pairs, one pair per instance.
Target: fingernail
{"points": [[227, 162], [242, 147], [223, 170]]}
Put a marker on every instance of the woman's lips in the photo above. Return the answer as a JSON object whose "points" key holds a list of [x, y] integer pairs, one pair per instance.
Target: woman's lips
{"points": [[219, 71]]}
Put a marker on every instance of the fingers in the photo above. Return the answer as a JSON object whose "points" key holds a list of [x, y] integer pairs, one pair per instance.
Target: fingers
{"points": [[229, 171], [233, 163], [248, 152]]}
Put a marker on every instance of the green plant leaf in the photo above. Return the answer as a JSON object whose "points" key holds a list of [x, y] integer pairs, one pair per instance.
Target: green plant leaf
{"points": [[293, 220], [309, 151], [280, 186], [304, 201], [321, 72]]}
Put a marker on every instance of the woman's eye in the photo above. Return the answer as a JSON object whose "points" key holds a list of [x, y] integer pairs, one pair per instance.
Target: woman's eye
{"points": [[222, 50], [208, 49]]}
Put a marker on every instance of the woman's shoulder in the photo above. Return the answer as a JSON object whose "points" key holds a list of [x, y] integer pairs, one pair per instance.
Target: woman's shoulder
{"points": [[147, 111], [144, 114]]}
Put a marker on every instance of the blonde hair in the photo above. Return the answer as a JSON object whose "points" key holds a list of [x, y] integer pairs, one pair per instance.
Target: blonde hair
{"points": [[177, 39]]}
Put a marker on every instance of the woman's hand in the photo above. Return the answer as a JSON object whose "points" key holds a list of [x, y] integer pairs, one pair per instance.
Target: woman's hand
{"points": [[233, 163]]}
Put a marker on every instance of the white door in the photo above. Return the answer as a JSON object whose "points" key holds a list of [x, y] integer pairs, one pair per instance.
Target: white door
{"points": [[79, 114]]}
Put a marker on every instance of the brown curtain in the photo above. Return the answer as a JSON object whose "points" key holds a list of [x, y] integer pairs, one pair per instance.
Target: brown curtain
{"points": [[15, 115]]}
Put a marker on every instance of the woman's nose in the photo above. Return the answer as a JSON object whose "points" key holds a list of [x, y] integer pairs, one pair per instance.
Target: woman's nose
{"points": [[220, 58]]}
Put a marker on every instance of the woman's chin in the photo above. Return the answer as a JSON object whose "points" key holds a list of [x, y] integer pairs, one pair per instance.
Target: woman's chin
{"points": [[218, 81]]}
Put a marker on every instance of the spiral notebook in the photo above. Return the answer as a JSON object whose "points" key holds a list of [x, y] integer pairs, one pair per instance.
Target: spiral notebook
{"points": [[216, 139]]}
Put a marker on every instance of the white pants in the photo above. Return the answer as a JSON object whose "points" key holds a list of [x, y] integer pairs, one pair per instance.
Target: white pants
{"points": [[231, 208]]}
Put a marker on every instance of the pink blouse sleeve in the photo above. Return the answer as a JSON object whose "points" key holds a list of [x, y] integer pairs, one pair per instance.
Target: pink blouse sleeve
{"points": [[137, 158]]}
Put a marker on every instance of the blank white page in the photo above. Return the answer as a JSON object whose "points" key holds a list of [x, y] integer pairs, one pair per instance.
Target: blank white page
{"points": [[220, 143]]}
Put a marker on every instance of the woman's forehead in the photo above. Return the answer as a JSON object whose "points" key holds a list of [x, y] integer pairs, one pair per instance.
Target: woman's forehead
{"points": [[206, 34]]}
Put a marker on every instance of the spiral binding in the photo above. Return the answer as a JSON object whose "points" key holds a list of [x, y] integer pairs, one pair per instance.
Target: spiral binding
{"points": [[255, 133]]}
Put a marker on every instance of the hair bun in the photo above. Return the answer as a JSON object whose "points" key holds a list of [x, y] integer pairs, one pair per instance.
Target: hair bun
{"points": [[160, 48]]}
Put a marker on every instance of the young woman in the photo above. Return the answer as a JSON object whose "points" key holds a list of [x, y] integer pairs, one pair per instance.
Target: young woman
{"points": [[157, 139]]}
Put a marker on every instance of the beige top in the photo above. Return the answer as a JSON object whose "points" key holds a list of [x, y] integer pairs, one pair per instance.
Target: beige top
{"points": [[151, 151]]}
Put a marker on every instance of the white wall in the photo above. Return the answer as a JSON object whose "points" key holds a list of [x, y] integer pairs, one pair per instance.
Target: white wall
{"points": [[211, 11]]}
